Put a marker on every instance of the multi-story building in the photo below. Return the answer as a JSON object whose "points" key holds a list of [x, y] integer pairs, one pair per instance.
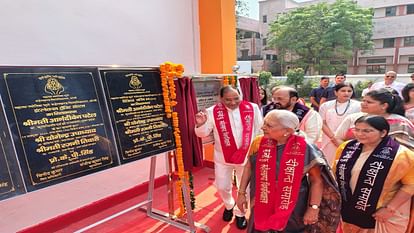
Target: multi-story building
{"points": [[249, 44], [393, 34]]}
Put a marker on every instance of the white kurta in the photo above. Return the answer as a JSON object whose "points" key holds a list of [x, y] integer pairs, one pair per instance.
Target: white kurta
{"points": [[394, 85], [236, 128], [224, 171], [329, 114], [311, 126]]}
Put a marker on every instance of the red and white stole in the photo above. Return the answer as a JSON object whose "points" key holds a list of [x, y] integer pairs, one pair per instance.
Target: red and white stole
{"points": [[276, 196], [228, 144]]}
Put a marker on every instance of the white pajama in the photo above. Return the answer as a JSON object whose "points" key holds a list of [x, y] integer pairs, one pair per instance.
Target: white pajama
{"points": [[224, 171]]}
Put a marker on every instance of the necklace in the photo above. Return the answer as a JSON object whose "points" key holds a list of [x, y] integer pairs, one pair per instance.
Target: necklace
{"points": [[346, 108]]}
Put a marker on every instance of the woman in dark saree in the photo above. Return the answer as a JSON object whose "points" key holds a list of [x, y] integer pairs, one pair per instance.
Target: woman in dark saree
{"points": [[375, 174]]}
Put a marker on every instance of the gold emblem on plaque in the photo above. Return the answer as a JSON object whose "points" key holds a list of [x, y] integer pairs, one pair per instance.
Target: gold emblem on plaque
{"points": [[53, 85], [134, 82]]}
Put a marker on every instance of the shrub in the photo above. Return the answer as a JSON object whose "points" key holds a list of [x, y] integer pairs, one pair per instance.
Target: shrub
{"points": [[264, 78], [295, 77]]}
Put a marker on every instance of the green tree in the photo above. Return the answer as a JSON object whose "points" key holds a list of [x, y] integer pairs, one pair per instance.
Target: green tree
{"points": [[295, 77], [264, 78], [241, 10], [322, 36]]}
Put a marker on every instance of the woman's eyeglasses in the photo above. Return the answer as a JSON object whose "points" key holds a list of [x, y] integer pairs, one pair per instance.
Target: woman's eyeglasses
{"points": [[366, 131]]}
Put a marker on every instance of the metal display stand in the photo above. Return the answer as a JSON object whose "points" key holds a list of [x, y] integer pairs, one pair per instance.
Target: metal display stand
{"points": [[187, 224]]}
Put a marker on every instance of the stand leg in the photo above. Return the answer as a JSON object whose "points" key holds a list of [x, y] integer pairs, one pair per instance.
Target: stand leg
{"points": [[147, 205]]}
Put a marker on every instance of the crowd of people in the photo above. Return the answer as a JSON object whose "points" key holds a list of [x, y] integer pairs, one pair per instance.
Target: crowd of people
{"points": [[338, 165]]}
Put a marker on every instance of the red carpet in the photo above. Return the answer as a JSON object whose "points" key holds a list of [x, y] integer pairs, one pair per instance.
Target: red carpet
{"points": [[208, 211]]}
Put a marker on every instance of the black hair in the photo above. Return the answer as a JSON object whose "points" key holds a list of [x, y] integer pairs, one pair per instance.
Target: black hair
{"points": [[226, 89], [406, 92], [264, 100], [293, 93], [391, 97], [324, 77], [345, 84], [340, 74], [377, 122]]}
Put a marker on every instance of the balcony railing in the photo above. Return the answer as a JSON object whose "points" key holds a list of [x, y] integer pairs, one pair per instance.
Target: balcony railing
{"points": [[250, 58]]}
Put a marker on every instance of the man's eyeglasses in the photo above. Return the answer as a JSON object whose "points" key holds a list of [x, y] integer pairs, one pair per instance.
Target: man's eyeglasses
{"points": [[390, 76]]}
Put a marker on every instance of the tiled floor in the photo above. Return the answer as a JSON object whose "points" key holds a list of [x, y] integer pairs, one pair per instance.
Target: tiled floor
{"points": [[208, 211]]}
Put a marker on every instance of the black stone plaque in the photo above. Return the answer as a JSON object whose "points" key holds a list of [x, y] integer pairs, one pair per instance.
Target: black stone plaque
{"points": [[59, 122], [11, 183], [137, 112]]}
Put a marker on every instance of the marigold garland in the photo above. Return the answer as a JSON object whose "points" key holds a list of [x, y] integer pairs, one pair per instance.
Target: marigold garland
{"points": [[225, 81], [229, 80], [170, 70], [233, 81]]}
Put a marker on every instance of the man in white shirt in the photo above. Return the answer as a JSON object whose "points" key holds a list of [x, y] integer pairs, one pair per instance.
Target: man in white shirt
{"points": [[389, 82], [235, 123]]}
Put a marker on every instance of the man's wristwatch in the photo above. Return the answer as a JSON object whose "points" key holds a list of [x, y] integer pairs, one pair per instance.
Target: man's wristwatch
{"points": [[315, 207]]}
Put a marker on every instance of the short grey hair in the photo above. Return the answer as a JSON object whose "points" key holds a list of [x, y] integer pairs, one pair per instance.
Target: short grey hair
{"points": [[286, 118], [391, 72]]}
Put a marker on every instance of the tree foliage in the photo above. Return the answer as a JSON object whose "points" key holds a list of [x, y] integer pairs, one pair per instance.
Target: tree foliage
{"points": [[317, 34], [241, 8], [264, 78], [295, 77]]}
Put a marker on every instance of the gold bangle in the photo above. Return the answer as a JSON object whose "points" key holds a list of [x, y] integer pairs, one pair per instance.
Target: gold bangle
{"points": [[242, 192]]}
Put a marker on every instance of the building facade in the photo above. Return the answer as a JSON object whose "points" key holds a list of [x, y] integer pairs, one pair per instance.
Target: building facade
{"points": [[249, 43], [393, 34]]}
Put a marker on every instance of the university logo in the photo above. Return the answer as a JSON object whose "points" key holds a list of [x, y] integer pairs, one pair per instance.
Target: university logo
{"points": [[134, 81], [53, 86]]}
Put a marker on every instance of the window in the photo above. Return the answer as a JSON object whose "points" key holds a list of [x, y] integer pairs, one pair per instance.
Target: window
{"points": [[388, 43], [410, 68], [410, 9], [247, 34], [390, 11], [244, 54], [410, 58], [274, 57], [409, 41], [375, 69], [268, 56], [264, 18], [264, 43], [376, 60]]}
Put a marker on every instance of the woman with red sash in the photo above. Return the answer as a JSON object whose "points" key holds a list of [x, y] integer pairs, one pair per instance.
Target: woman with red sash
{"points": [[375, 176], [292, 189]]}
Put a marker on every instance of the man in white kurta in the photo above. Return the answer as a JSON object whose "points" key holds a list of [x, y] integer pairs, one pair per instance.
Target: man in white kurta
{"points": [[206, 123], [389, 82]]}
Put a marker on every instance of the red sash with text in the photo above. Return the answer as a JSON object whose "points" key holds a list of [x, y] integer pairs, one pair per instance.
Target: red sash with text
{"points": [[276, 196], [228, 144]]}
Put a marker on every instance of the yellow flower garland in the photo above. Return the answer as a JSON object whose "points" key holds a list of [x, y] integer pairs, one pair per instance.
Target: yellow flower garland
{"points": [[170, 70]]}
